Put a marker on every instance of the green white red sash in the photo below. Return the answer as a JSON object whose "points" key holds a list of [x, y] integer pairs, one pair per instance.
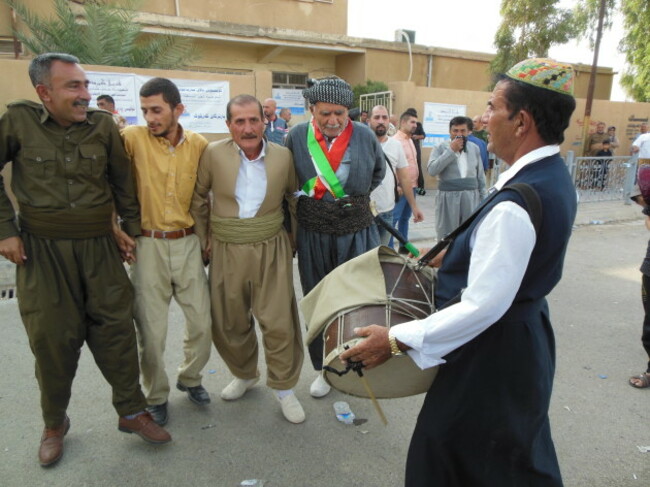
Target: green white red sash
{"points": [[326, 161]]}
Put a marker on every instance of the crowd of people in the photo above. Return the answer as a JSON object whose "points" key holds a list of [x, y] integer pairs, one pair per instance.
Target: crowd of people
{"points": [[92, 195]]}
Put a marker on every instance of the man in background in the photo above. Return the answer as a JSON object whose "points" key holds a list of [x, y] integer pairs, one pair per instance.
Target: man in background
{"points": [[461, 178], [285, 114], [106, 102], [402, 211], [397, 174], [276, 127]]}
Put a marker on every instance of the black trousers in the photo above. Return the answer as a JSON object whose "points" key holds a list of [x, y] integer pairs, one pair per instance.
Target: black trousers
{"points": [[645, 335]]}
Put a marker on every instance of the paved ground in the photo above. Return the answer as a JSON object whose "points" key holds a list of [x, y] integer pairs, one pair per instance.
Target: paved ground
{"points": [[597, 419]]}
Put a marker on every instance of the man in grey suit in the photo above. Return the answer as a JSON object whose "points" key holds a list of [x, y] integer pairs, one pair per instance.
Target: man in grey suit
{"points": [[461, 179]]}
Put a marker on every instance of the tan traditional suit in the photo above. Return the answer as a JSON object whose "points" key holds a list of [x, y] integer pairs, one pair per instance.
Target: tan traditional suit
{"points": [[251, 265]]}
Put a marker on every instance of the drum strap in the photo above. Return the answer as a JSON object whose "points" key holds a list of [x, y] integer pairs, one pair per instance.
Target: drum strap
{"points": [[533, 206], [395, 190]]}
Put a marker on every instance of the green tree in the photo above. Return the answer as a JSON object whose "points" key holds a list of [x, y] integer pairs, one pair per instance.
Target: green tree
{"points": [[528, 29], [369, 87], [636, 46], [106, 34], [586, 18]]}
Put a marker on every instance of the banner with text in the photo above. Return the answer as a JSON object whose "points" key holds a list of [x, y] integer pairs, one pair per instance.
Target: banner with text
{"points": [[436, 121], [291, 99], [205, 101]]}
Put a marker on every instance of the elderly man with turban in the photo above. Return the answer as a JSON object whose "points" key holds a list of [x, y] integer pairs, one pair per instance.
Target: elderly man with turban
{"points": [[338, 163], [485, 421]]}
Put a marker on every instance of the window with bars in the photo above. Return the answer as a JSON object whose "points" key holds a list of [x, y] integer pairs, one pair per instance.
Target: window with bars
{"points": [[289, 80]]}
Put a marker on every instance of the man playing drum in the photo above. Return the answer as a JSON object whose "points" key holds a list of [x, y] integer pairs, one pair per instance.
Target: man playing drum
{"points": [[485, 418]]}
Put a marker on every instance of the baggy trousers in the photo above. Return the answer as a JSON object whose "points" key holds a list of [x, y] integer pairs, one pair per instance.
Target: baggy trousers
{"points": [[249, 280], [167, 268], [71, 291]]}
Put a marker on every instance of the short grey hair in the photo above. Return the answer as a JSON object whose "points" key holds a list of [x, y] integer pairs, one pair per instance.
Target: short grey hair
{"points": [[39, 68], [240, 100]]}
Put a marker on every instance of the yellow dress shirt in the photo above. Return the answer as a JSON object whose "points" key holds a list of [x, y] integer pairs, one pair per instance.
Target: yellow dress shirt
{"points": [[165, 176]]}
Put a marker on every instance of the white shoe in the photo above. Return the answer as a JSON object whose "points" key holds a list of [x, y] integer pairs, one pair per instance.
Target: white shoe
{"points": [[291, 408], [237, 388], [319, 388]]}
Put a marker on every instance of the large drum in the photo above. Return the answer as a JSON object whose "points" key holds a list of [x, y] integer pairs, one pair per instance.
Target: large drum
{"points": [[379, 287]]}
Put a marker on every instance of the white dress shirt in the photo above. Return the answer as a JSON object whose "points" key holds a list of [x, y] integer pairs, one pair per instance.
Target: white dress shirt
{"points": [[501, 245], [250, 188]]}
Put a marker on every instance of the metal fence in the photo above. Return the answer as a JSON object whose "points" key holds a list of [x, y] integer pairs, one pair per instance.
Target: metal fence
{"points": [[602, 178], [370, 100], [595, 178]]}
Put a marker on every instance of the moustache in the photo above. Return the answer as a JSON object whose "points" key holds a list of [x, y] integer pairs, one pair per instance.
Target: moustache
{"points": [[81, 103]]}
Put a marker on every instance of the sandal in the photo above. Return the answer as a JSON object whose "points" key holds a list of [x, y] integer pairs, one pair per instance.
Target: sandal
{"points": [[644, 381]]}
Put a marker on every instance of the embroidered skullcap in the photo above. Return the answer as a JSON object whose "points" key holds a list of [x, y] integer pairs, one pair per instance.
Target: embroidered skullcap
{"points": [[544, 73], [329, 90]]}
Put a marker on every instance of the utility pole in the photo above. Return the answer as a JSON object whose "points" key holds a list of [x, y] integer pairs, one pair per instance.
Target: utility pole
{"points": [[592, 81], [14, 28]]}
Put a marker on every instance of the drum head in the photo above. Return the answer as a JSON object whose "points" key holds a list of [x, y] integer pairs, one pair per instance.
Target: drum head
{"points": [[397, 377]]}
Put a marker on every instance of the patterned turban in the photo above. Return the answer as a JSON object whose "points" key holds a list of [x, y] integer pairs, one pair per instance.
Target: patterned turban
{"points": [[329, 90], [544, 73]]}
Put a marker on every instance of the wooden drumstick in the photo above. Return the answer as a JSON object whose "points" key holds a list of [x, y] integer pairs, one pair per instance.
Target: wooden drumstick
{"points": [[372, 397], [407, 245]]}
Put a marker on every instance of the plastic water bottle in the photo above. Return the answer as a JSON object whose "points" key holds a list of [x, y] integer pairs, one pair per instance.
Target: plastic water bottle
{"points": [[343, 412]]}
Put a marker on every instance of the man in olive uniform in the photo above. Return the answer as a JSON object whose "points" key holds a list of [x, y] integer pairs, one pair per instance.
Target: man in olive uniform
{"points": [[69, 169]]}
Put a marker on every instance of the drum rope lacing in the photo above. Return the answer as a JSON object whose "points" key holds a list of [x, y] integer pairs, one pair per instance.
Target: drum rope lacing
{"points": [[402, 305]]}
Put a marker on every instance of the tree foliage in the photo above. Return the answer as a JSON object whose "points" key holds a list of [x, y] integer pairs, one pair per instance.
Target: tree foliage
{"points": [[106, 34], [586, 18], [369, 87], [636, 46], [528, 29]]}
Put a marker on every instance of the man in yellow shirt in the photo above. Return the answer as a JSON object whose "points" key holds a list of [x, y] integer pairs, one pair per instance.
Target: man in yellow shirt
{"points": [[168, 262]]}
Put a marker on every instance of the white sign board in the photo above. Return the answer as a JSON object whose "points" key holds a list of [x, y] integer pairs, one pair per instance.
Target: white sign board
{"points": [[205, 101], [436, 121], [122, 87], [291, 99]]}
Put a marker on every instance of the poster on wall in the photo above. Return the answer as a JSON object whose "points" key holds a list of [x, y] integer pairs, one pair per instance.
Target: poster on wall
{"points": [[289, 98], [120, 86], [436, 121], [205, 101]]}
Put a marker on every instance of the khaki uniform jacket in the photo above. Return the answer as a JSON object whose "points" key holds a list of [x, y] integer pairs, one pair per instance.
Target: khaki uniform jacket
{"points": [[81, 167]]}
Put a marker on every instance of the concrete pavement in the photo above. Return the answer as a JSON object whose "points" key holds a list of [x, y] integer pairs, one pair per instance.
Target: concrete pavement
{"points": [[598, 420]]}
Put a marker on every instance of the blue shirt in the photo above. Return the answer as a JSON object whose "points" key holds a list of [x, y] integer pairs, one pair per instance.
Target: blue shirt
{"points": [[276, 130], [482, 147]]}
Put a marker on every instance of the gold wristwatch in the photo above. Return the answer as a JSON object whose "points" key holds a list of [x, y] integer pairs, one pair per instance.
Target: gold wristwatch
{"points": [[394, 349]]}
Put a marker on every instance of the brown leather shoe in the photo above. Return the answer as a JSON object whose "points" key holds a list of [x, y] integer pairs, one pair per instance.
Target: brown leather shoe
{"points": [[51, 449], [145, 427]]}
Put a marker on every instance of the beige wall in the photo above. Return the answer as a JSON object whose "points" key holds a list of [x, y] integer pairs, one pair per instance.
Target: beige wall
{"points": [[230, 56], [462, 74], [352, 68], [386, 66], [308, 15], [326, 18], [622, 115]]}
